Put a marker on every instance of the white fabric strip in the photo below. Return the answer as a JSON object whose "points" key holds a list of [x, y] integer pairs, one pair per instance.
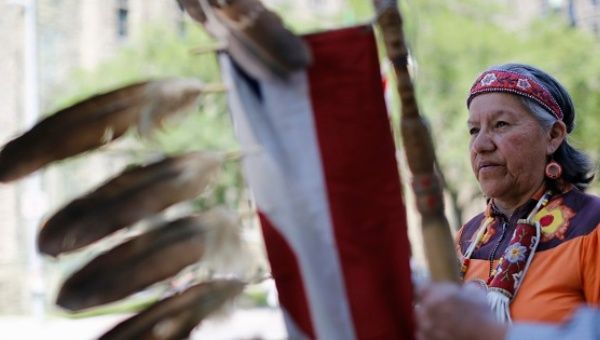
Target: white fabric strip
{"points": [[287, 182]]}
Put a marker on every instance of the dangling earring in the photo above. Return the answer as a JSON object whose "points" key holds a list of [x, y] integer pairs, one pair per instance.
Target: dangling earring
{"points": [[553, 170]]}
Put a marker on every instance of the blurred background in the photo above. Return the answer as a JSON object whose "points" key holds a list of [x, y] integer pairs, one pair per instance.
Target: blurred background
{"points": [[56, 52]]}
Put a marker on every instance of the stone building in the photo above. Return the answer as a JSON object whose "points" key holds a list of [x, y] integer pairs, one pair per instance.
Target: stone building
{"points": [[584, 14], [12, 255], [71, 35]]}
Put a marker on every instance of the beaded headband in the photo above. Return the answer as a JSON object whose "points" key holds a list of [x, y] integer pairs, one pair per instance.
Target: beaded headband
{"points": [[516, 83]]}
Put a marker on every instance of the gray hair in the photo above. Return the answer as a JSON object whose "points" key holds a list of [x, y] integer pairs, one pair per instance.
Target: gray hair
{"points": [[576, 165]]}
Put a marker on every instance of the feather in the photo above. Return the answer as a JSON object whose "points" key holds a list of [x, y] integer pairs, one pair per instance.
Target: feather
{"points": [[127, 198], [264, 32], [256, 37], [176, 316], [194, 10], [144, 260], [226, 253], [94, 122]]}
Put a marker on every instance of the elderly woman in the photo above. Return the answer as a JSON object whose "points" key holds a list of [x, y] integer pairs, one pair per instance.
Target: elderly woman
{"points": [[536, 247]]}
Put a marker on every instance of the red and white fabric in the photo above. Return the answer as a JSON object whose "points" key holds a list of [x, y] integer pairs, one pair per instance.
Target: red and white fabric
{"points": [[320, 162]]}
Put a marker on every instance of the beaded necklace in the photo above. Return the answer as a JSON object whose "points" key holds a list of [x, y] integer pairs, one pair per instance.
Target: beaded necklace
{"points": [[506, 278]]}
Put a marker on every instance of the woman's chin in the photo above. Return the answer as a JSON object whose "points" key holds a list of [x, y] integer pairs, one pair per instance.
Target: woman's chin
{"points": [[492, 190]]}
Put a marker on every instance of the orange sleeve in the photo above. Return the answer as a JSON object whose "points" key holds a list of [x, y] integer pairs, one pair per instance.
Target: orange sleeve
{"points": [[590, 267]]}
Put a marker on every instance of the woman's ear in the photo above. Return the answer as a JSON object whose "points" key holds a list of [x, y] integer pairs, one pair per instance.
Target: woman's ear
{"points": [[557, 135]]}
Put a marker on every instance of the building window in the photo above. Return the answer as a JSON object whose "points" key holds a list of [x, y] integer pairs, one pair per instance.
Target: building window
{"points": [[122, 18], [572, 13], [181, 25]]}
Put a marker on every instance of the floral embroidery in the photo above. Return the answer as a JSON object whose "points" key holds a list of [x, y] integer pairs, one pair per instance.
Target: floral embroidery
{"points": [[498, 269], [515, 253], [554, 220], [489, 233], [517, 279], [509, 270], [507, 275], [488, 80], [523, 84], [534, 241], [489, 224], [514, 82]]}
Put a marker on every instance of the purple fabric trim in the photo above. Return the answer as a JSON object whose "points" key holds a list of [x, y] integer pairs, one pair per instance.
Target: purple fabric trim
{"points": [[586, 219]]}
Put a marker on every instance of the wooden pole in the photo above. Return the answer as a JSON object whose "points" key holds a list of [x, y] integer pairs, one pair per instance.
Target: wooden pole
{"points": [[418, 146]]}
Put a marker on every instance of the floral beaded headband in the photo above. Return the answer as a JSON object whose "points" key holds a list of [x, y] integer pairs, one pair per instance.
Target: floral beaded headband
{"points": [[513, 82]]}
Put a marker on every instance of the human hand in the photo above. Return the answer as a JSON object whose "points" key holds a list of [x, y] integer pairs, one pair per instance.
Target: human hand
{"points": [[446, 311]]}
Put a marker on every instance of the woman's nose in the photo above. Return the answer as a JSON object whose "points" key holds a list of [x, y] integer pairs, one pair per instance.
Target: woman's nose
{"points": [[482, 142]]}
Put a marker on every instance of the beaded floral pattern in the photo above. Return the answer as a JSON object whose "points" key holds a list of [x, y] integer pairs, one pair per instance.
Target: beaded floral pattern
{"points": [[555, 219], [513, 82], [489, 232], [508, 272], [506, 277]]}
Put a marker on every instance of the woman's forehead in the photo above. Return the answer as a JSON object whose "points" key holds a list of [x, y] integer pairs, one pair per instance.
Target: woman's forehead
{"points": [[493, 114], [495, 105]]}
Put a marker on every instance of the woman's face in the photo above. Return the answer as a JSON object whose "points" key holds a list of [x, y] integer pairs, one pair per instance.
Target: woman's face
{"points": [[508, 148]]}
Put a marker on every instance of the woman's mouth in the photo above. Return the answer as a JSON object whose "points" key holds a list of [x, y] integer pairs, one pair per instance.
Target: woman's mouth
{"points": [[488, 167]]}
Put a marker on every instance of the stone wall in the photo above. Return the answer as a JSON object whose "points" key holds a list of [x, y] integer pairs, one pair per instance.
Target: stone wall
{"points": [[586, 14], [12, 255], [72, 34]]}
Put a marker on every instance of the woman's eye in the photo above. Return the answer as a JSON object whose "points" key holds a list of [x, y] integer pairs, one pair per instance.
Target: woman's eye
{"points": [[473, 131], [501, 124]]}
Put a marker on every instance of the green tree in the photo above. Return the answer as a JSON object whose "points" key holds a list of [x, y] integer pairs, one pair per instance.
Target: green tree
{"points": [[450, 42], [162, 52], [454, 44]]}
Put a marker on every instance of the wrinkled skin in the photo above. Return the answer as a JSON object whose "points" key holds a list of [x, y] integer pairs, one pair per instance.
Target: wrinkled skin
{"points": [[509, 148]]}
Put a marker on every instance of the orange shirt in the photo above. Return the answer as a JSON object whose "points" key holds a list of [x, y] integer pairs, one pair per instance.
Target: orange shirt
{"points": [[565, 271]]}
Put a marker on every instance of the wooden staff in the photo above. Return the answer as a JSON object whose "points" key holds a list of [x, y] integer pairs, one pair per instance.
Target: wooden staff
{"points": [[439, 248]]}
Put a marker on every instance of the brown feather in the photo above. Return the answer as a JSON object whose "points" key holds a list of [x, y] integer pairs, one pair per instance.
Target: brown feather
{"points": [[94, 122], [194, 10], [266, 34], [127, 198], [140, 262], [176, 316], [257, 38]]}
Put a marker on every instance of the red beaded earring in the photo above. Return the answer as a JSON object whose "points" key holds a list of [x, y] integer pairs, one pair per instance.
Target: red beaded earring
{"points": [[553, 170]]}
